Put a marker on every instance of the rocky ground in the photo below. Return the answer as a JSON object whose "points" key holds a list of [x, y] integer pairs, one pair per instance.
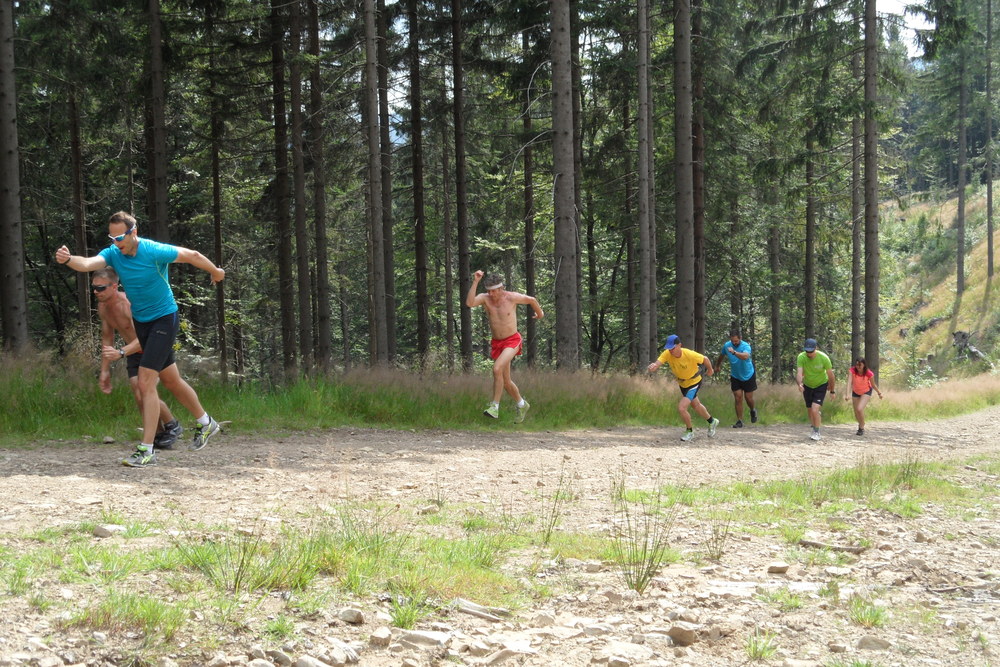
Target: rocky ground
{"points": [[937, 576]]}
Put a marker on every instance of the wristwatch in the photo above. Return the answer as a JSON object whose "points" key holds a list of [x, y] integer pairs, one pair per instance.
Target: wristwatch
{"points": [[121, 351]]}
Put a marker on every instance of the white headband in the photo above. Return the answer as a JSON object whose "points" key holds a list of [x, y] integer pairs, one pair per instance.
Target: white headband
{"points": [[498, 285]]}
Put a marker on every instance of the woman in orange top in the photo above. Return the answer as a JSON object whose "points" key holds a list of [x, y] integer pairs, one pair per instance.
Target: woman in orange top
{"points": [[862, 385]]}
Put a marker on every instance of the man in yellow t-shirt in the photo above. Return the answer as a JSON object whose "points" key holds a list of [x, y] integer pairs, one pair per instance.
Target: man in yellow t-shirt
{"points": [[686, 367]]}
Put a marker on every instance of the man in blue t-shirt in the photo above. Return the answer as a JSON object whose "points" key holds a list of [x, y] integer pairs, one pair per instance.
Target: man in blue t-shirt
{"points": [[742, 374], [142, 267]]}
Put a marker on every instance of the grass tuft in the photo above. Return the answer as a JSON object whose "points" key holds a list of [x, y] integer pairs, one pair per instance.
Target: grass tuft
{"points": [[642, 537], [123, 611], [761, 645]]}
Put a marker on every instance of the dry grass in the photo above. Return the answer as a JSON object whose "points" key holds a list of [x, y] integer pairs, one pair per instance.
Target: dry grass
{"points": [[975, 312]]}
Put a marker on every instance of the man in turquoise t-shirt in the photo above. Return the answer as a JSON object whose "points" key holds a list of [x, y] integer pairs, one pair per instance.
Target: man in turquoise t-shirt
{"points": [[742, 374], [814, 377], [142, 267]]}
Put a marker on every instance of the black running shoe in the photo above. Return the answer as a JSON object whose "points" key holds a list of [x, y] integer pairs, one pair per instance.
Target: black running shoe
{"points": [[166, 438]]}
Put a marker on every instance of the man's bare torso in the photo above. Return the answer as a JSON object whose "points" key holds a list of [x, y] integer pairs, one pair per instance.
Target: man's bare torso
{"points": [[502, 315], [117, 313]]}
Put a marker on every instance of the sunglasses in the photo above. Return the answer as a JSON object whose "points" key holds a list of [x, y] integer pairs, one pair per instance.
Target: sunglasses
{"points": [[120, 237], [100, 288]]}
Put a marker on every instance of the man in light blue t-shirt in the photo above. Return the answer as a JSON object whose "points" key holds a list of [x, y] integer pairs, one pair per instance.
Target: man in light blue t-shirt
{"points": [[142, 267], [742, 374]]}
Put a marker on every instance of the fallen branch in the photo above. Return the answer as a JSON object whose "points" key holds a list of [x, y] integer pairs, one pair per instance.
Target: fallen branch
{"points": [[479, 611], [832, 547]]}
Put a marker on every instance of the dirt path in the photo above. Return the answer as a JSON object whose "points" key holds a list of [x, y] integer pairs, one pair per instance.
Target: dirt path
{"points": [[237, 476], [239, 479]]}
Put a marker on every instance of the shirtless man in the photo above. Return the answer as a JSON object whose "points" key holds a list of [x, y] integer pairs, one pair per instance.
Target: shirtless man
{"points": [[501, 310], [115, 312]]}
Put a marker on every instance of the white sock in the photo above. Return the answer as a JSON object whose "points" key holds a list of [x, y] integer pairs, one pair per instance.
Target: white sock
{"points": [[204, 419], [496, 404], [148, 447], [522, 402]]}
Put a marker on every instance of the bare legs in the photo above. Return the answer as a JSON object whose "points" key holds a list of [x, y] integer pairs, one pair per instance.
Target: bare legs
{"points": [[814, 415], [739, 396], [165, 414], [860, 402], [682, 409], [501, 376], [150, 400]]}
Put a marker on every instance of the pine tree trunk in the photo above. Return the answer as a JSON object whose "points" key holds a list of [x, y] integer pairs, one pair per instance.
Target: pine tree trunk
{"points": [[647, 272], [417, 168], [157, 194], [698, 175], [216, 126], [871, 190], [735, 269], [379, 349], [857, 192], [652, 296], [578, 209], [13, 294], [79, 212], [564, 171], [461, 180], [810, 247], [592, 293], [286, 282], [857, 249], [683, 150], [631, 275], [774, 262], [299, 179], [989, 139], [530, 328], [449, 259], [963, 96], [386, 157], [316, 119]]}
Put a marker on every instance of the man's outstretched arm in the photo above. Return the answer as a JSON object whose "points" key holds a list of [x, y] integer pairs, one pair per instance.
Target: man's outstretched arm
{"points": [[196, 259], [78, 262]]}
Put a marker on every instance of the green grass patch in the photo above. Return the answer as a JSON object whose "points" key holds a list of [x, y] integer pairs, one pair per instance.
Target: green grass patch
{"points": [[122, 611], [782, 598], [761, 645], [864, 612]]}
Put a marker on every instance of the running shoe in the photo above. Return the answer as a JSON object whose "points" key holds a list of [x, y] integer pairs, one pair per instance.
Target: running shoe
{"points": [[166, 438], [753, 416], [712, 427], [688, 435], [203, 433], [815, 434], [738, 424], [492, 410], [142, 456], [861, 431], [521, 412]]}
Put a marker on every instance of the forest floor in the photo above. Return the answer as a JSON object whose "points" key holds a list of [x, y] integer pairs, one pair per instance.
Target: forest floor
{"points": [[937, 576]]}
